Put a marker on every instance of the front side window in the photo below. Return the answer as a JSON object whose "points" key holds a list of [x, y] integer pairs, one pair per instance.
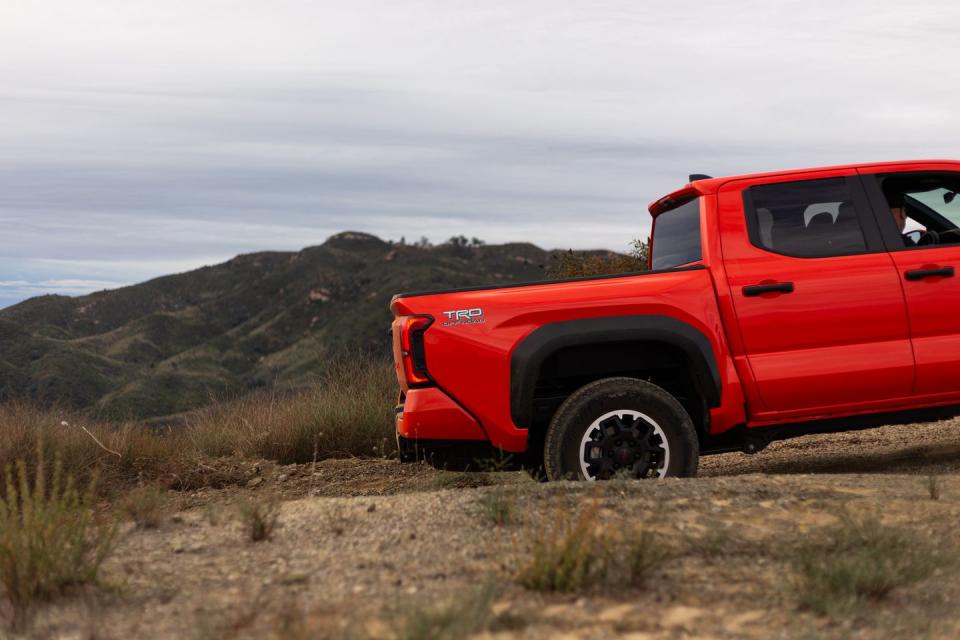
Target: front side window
{"points": [[925, 207], [806, 219], [676, 236]]}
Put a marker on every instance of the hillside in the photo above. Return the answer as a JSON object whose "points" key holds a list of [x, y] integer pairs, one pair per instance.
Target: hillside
{"points": [[264, 319]]}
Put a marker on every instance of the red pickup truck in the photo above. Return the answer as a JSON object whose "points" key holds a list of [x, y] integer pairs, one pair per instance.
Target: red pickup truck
{"points": [[776, 305]]}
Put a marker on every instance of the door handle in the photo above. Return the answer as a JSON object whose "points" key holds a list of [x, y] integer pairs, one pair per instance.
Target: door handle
{"points": [[936, 272], [760, 289]]}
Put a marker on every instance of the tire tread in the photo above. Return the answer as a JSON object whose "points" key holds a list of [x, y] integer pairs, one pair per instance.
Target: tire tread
{"points": [[564, 418]]}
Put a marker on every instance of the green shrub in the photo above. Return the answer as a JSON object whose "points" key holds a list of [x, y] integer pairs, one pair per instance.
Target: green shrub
{"points": [[49, 539], [576, 264]]}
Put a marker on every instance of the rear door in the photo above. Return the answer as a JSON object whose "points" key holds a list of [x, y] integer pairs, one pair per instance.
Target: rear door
{"points": [[927, 258], [818, 301]]}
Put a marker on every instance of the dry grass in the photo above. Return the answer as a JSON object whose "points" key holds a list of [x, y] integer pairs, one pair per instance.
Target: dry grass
{"points": [[347, 413], [716, 541], [566, 557], [146, 505], [933, 486], [140, 449], [580, 554], [462, 480], [259, 517], [49, 540], [498, 507], [643, 552], [858, 560], [457, 618]]}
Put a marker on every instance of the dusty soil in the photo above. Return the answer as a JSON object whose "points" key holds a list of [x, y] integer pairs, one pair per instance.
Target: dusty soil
{"points": [[364, 547]]}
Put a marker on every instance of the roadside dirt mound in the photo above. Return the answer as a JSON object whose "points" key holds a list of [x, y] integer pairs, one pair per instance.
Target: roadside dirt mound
{"points": [[929, 447], [932, 447]]}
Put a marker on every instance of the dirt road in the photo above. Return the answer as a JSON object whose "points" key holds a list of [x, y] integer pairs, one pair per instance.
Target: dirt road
{"points": [[376, 549]]}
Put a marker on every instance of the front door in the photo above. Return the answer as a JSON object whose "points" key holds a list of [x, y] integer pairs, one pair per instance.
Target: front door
{"points": [[919, 215], [818, 301]]}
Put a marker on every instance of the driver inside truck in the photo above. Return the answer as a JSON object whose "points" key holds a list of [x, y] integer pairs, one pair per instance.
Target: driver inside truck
{"points": [[898, 210]]}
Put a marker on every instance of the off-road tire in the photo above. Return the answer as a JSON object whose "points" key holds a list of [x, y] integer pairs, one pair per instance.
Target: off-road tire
{"points": [[562, 446]]}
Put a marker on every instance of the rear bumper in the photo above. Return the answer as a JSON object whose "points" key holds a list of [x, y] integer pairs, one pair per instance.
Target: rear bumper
{"points": [[430, 414], [432, 427]]}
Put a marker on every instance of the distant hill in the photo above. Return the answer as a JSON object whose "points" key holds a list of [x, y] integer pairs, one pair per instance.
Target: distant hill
{"points": [[263, 319]]}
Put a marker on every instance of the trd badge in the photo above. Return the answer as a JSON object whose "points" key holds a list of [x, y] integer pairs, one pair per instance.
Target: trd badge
{"points": [[463, 316]]}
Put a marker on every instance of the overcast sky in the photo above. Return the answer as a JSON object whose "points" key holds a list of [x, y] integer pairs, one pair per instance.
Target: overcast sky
{"points": [[144, 137]]}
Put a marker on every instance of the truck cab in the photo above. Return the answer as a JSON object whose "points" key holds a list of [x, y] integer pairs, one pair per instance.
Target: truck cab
{"points": [[776, 305]]}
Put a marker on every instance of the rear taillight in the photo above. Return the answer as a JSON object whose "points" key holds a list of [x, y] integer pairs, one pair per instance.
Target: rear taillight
{"points": [[412, 352]]}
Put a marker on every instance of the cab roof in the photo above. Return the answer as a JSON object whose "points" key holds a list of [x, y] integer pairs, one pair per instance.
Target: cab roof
{"points": [[712, 185]]}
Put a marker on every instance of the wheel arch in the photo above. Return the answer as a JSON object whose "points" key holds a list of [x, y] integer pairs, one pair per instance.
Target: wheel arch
{"points": [[653, 334]]}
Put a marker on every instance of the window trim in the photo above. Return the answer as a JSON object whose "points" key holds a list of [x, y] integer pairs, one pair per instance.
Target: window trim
{"points": [[865, 216], [892, 239]]}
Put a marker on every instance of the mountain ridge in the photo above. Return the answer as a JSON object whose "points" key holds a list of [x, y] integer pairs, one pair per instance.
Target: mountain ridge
{"points": [[264, 319]]}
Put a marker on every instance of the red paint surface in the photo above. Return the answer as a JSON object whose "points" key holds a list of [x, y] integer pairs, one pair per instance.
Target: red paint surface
{"points": [[854, 337]]}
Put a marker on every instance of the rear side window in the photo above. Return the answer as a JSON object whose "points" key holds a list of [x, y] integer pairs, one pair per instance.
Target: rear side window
{"points": [[808, 219], [676, 236]]}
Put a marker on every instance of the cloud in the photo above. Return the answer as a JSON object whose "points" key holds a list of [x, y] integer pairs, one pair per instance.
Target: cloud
{"points": [[141, 136]]}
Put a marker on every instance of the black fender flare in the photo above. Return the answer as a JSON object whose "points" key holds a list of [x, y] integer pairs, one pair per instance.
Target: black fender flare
{"points": [[536, 347]]}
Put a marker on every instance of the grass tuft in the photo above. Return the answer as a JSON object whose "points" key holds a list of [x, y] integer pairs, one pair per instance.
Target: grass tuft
{"points": [[49, 540], [146, 505], [933, 486], [451, 620], [717, 541], [859, 560], [259, 517], [497, 507], [566, 557], [643, 552]]}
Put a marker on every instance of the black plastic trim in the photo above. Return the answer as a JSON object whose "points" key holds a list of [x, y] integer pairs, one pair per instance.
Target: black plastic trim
{"points": [[760, 289], [532, 351], [735, 440], [920, 274], [534, 283]]}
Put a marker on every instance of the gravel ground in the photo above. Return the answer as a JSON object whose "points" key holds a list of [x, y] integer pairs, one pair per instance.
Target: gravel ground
{"points": [[365, 547]]}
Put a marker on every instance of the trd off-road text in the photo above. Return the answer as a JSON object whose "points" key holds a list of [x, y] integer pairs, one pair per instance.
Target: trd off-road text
{"points": [[776, 305]]}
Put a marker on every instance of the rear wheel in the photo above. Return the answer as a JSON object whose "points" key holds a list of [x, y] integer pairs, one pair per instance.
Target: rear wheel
{"points": [[620, 427]]}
